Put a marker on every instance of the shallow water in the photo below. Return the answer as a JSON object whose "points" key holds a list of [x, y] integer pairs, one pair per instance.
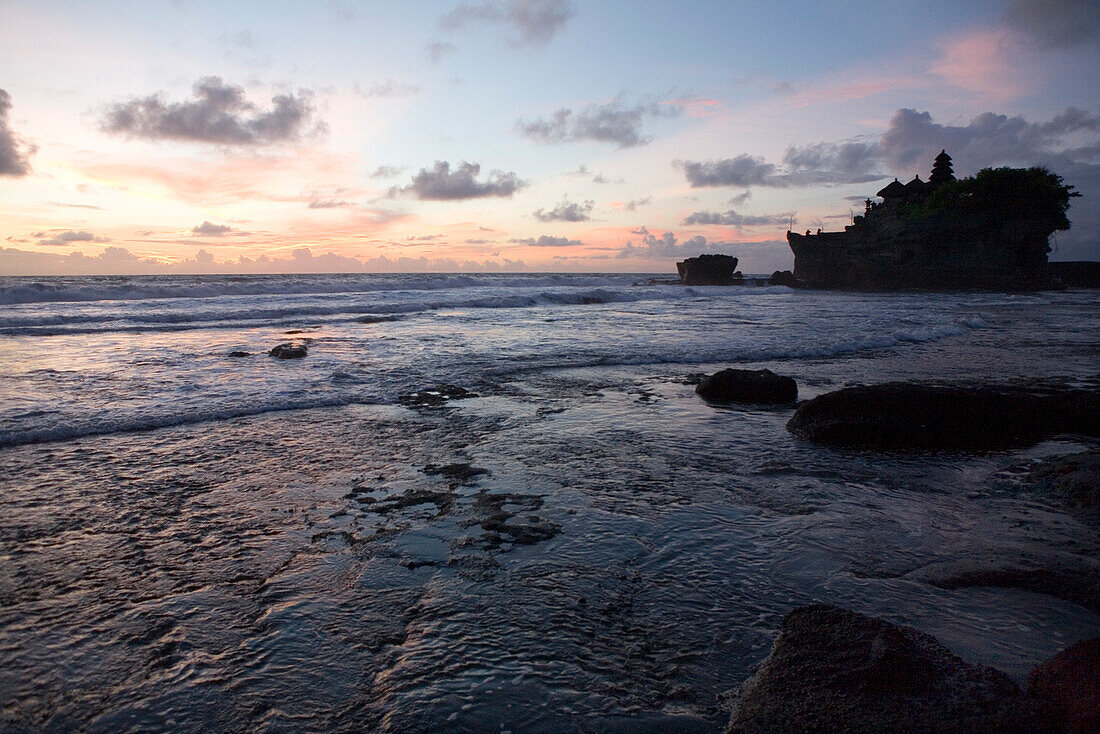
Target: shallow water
{"points": [[280, 556]]}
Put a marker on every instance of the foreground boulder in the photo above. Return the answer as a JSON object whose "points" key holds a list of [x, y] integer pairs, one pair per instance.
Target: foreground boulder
{"points": [[832, 670], [748, 386], [709, 270], [1067, 688], [289, 351], [910, 417]]}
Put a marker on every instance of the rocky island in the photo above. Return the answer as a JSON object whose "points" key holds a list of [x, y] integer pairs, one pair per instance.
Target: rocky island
{"points": [[988, 231]]}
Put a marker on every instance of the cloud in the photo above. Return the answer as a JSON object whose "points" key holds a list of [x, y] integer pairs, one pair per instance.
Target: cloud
{"points": [[824, 163], [740, 199], [209, 229], [442, 184], [438, 49], [118, 260], [14, 153], [387, 172], [329, 204], [607, 123], [566, 212], [734, 219], [218, 114], [547, 241], [664, 247], [1055, 23], [534, 22], [744, 170], [67, 237], [987, 140], [389, 88]]}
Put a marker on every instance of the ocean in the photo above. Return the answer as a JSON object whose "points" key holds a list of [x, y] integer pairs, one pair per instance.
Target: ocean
{"points": [[197, 541]]}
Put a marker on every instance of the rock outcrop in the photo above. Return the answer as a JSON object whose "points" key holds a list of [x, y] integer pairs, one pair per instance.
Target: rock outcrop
{"points": [[1066, 688], [289, 351], [709, 270], [832, 670], [986, 232], [907, 417], [785, 277], [748, 386]]}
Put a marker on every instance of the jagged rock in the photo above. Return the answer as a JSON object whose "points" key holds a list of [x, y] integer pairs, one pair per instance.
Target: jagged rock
{"points": [[913, 417], [289, 351], [1066, 688], [436, 396], [709, 270], [748, 386], [458, 473], [832, 670], [785, 277]]}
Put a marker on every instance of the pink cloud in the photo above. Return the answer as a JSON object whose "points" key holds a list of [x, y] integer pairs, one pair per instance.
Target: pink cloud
{"points": [[982, 63]]}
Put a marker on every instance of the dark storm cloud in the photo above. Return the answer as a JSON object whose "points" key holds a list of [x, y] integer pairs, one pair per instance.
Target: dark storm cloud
{"points": [[734, 219], [209, 229], [14, 153], [566, 212], [547, 241], [443, 184], [608, 123], [534, 22], [1055, 23], [744, 170], [219, 113]]}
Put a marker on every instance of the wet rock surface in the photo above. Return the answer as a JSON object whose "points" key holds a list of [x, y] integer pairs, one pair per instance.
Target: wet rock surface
{"points": [[832, 670], [904, 416], [786, 277], [748, 386], [435, 396], [288, 350]]}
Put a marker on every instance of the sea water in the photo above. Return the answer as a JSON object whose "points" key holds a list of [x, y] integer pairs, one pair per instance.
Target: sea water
{"points": [[200, 541]]}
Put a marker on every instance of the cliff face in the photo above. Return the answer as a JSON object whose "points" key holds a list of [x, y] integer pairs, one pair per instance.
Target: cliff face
{"points": [[931, 258]]}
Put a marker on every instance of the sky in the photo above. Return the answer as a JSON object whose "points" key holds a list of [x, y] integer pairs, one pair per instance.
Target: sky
{"points": [[513, 135]]}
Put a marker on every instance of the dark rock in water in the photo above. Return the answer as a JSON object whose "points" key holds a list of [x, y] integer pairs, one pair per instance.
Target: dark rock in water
{"points": [[785, 277], [458, 473], [832, 670], [1079, 274], [709, 270], [911, 417], [436, 396], [240, 354], [1066, 688], [748, 386], [289, 351]]}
